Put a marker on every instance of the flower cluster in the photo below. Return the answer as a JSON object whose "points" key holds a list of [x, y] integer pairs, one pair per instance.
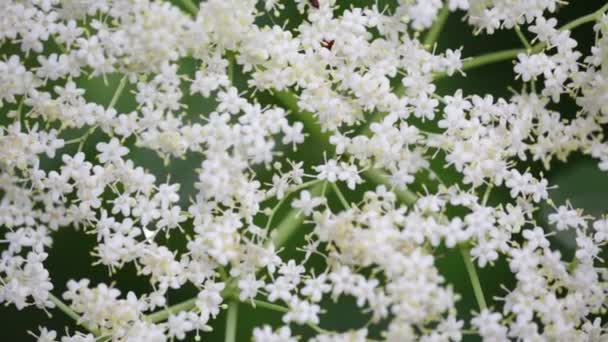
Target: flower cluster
{"points": [[356, 84]]}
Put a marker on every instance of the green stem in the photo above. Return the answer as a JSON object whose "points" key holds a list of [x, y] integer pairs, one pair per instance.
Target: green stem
{"points": [[279, 308], [477, 290], [486, 195], [118, 92], [265, 305], [585, 19], [431, 37], [72, 314], [504, 55], [119, 89], [231, 320], [64, 307], [340, 195], [274, 211], [523, 38], [491, 58], [162, 315], [231, 60]]}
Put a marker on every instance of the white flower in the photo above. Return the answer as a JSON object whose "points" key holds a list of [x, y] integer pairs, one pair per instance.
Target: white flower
{"points": [[249, 287], [46, 335], [302, 312], [112, 151], [306, 203], [178, 325], [601, 230], [265, 334], [315, 287], [230, 101], [489, 326], [280, 289], [566, 218], [209, 299]]}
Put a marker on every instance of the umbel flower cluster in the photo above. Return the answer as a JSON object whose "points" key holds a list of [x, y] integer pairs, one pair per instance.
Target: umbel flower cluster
{"points": [[357, 83]]}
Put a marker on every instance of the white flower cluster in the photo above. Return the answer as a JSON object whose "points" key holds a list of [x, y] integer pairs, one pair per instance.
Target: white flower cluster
{"points": [[357, 82]]}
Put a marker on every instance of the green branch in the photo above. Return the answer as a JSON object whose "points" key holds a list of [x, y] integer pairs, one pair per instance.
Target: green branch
{"points": [[163, 315], [504, 55], [522, 38], [586, 19], [118, 92], [340, 195], [231, 320], [275, 307], [72, 314], [431, 37], [477, 290], [491, 58]]}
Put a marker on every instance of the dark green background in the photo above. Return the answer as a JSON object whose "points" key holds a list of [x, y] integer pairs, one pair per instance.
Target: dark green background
{"points": [[579, 180]]}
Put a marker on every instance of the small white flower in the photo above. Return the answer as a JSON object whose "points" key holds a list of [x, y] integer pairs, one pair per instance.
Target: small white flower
{"points": [[306, 203], [112, 151]]}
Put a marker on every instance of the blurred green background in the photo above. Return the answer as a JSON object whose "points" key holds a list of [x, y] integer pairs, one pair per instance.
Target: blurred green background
{"points": [[579, 181]]}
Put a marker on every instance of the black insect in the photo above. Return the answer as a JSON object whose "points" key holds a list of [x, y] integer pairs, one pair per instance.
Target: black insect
{"points": [[314, 3], [328, 44]]}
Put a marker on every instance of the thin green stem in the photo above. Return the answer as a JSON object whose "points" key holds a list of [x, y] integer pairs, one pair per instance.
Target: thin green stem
{"points": [[266, 305], [279, 308], [71, 313], [162, 315], [274, 211], [231, 321], [340, 195], [477, 290], [491, 58], [118, 92], [585, 19], [431, 37], [119, 89], [500, 56], [486, 195], [300, 187], [231, 61], [85, 136], [523, 38], [64, 307], [471, 270]]}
